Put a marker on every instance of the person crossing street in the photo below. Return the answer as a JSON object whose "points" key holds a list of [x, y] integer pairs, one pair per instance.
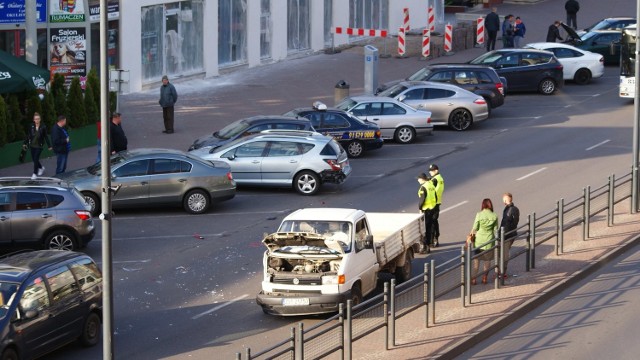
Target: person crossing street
{"points": [[426, 205], [438, 183]]}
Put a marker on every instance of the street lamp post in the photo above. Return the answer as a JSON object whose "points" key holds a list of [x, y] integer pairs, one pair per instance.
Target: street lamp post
{"points": [[636, 123]]}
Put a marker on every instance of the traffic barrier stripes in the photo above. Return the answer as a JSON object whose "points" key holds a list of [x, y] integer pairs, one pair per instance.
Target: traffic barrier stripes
{"points": [[360, 31], [480, 31], [426, 43], [448, 33], [432, 19], [401, 42], [405, 21]]}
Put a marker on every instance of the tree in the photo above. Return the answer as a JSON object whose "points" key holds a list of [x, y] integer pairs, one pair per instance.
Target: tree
{"points": [[113, 102], [3, 122], [93, 115], [77, 116], [59, 94], [94, 83], [48, 110], [33, 105], [14, 120]]}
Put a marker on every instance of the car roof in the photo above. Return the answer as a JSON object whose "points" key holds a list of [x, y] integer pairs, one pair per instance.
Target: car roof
{"points": [[434, 84], [458, 66], [359, 98], [554, 44], [287, 135], [325, 214], [18, 266], [39, 183], [523, 50], [265, 119]]}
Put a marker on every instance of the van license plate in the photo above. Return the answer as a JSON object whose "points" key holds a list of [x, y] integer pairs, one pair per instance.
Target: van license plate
{"points": [[295, 302]]}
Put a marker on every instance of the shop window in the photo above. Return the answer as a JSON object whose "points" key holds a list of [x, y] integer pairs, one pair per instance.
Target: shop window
{"points": [[298, 25], [369, 14], [265, 29], [232, 33], [328, 22]]}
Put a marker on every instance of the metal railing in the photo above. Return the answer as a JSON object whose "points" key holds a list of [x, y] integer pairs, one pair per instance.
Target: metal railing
{"points": [[337, 333]]}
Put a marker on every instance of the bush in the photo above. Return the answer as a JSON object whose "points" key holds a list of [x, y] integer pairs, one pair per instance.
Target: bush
{"points": [[93, 82], [93, 114], [3, 122], [48, 110], [14, 120], [77, 116], [59, 94], [33, 105]]}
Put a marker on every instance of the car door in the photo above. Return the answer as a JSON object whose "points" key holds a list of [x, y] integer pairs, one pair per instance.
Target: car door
{"points": [[246, 161], [281, 162], [166, 182], [31, 218], [133, 179], [363, 262], [38, 330], [601, 44], [5, 218], [66, 304], [373, 111], [436, 101], [510, 66]]}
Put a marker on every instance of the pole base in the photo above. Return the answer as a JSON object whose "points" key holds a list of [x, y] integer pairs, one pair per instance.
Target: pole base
{"points": [[423, 58], [332, 51], [384, 56], [401, 57], [449, 53]]}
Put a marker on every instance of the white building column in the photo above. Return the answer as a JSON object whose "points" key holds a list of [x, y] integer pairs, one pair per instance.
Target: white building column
{"points": [[340, 19], [317, 25], [130, 24], [210, 38], [279, 41], [253, 33]]}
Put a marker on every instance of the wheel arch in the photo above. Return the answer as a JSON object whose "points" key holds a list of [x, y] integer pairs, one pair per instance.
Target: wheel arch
{"points": [[71, 230]]}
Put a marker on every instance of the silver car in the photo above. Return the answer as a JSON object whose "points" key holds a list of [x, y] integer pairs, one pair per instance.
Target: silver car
{"points": [[397, 121], [449, 105], [45, 213], [301, 159], [153, 177]]}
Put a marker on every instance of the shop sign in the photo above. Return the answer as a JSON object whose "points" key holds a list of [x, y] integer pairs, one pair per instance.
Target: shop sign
{"points": [[66, 11], [68, 53], [13, 12], [113, 11]]}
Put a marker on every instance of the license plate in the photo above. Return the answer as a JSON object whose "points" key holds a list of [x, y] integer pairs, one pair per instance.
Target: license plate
{"points": [[295, 302], [346, 168]]}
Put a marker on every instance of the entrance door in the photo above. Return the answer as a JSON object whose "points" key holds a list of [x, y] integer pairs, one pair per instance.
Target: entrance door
{"points": [[172, 42], [11, 42]]}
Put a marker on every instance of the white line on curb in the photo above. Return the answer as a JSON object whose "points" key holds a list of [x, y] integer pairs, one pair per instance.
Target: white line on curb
{"points": [[220, 306], [531, 174], [596, 145]]}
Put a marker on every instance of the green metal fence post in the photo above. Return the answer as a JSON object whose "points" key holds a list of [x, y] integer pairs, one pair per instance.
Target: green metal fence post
{"points": [[532, 254], [560, 245], [392, 310], [299, 342], [611, 201]]}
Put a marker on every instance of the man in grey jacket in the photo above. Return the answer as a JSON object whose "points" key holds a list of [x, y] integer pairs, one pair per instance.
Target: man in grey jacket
{"points": [[168, 97]]}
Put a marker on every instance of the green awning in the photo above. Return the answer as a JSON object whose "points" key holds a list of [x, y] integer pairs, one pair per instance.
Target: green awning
{"points": [[17, 75]]}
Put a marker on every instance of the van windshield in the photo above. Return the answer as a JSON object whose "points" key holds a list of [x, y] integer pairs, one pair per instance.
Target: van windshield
{"points": [[7, 296]]}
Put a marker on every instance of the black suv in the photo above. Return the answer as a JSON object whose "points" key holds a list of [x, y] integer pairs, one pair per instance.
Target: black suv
{"points": [[479, 79], [48, 298]]}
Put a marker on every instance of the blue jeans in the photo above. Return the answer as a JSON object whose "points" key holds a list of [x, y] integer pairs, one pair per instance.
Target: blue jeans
{"points": [[61, 164]]}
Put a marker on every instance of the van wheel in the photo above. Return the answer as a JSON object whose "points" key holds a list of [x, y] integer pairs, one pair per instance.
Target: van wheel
{"points": [[355, 149], [356, 295], [307, 183], [93, 201], [582, 77], [60, 240], [91, 330], [405, 135], [9, 354], [460, 119], [404, 273], [196, 202], [547, 86]]}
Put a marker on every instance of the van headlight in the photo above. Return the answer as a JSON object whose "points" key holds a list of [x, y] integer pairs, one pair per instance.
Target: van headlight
{"points": [[333, 280]]}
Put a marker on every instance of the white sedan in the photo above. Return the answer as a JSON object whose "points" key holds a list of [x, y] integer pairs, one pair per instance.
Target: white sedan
{"points": [[578, 65]]}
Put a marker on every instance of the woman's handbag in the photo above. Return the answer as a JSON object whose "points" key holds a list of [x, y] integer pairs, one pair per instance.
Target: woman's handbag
{"points": [[23, 153], [471, 238]]}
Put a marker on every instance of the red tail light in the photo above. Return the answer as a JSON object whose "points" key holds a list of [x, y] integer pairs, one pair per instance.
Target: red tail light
{"points": [[480, 101], [334, 164], [83, 214], [378, 134], [602, 60], [428, 120], [500, 88], [229, 176], [559, 67]]}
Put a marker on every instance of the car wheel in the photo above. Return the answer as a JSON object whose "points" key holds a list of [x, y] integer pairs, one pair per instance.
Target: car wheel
{"points": [[403, 273], [9, 354], [60, 240], [547, 86], [93, 201], [582, 77], [307, 183], [460, 119], [356, 295], [91, 330], [196, 202], [355, 149], [405, 135]]}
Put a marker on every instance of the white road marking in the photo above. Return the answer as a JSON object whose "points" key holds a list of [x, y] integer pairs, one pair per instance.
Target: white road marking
{"points": [[596, 145], [220, 306], [531, 174], [453, 207]]}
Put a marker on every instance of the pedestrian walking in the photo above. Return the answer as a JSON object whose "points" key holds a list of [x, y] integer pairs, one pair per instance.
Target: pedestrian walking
{"points": [[438, 183], [554, 33], [484, 228], [118, 138], [509, 224], [519, 31], [507, 31], [492, 25], [37, 136], [426, 205], [168, 98], [572, 7], [61, 143]]}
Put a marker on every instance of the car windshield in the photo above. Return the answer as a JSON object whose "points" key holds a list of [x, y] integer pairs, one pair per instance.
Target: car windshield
{"points": [[96, 168], [232, 130], [487, 58], [393, 91], [420, 75], [346, 104], [7, 296], [588, 36], [604, 24], [333, 231]]}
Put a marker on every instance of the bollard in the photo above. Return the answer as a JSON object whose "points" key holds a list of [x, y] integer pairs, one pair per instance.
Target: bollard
{"points": [[405, 19], [247, 354], [385, 309], [448, 35], [468, 273], [496, 266], [348, 333], [431, 19], [560, 238], [426, 44], [392, 311], [462, 282], [238, 356], [533, 242], [584, 213], [480, 31], [527, 255], [341, 91], [341, 322], [611, 200], [401, 43], [502, 257], [299, 342], [292, 344], [425, 294], [587, 211], [432, 290]]}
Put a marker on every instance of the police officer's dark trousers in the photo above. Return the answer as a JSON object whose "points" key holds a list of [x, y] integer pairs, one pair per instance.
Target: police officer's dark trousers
{"points": [[428, 224]]}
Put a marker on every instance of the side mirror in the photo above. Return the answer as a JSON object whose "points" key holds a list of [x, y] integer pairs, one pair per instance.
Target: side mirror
{"points": [[231, 157], [113, 176], [368, 242], [30, 314], [402, 97]]}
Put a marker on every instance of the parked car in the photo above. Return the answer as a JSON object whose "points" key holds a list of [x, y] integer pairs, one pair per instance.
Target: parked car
{"points": [[525, 69], [44, 213], [603, 42], [449, 105], [303, 160], [578, 65], [48, 299], [248, 126], [152, 177], [613, 23], [479, 79], [355, 135], [397, 121]]}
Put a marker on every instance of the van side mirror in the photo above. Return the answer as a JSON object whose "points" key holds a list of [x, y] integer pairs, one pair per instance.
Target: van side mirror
{"points": [[30, 314], [402, 97], [368, 242]]}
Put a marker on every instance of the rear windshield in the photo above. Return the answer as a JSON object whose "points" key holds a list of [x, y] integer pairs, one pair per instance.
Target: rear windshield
{"points": [[232, 130], [332, 148], [487, 58], [393, 91], [346, 104], [420, 75]]}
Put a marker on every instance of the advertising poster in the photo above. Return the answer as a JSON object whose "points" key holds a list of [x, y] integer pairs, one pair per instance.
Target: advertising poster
{"points": [[13, 11], [66, 10], [68, 53]]}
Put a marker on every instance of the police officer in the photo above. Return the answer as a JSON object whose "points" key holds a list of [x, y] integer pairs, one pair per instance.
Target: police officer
{"points": [[427, 204], [438, 182]]}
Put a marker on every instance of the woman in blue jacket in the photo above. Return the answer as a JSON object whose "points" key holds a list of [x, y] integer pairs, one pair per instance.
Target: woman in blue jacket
{"points": [[518, 33]]}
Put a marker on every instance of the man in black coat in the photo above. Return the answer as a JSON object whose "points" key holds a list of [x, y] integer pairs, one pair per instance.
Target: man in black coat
{"points": [[554, 32], [118, 138], [492, 25], [572, 7], [510, 219]]}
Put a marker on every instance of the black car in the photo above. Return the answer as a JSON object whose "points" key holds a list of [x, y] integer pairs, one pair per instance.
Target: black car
{"points": [[248, 126], [479, 79], [355, 135], [613, 23], [48, 299], [525, 69], [603, 42]]}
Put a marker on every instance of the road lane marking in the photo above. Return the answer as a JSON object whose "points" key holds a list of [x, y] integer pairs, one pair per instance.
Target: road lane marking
{"points": [[531, 174], [220, 306], [453, 207], [596, 145]]}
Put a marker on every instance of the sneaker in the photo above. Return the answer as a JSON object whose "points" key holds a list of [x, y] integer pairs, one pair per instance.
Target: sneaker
{"points": [[41, 171], [34, 176], [435, 242]]}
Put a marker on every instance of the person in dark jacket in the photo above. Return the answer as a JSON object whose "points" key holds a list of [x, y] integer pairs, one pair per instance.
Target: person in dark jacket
{"points": [[492, 25], [572, 7], [118, 138], [168, 98], [510, 219], [554, 33], [508, 31], [519, 32], [36, 137], [61, 143]]}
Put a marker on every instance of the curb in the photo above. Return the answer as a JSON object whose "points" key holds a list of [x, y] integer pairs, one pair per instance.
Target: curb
{"points": [[455, 350]]}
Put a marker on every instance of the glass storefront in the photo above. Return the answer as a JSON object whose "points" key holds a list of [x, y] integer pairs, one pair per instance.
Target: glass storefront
{"points": [[232, 33], [14, 42], [328, 21], [369, 14], [298, 25], [265, 29]]}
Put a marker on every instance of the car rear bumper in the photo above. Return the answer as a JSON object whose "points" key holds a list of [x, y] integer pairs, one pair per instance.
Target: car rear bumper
{"points": [[223, 195], [373, 144], [85, 238], [335, 177], [318, 303]]}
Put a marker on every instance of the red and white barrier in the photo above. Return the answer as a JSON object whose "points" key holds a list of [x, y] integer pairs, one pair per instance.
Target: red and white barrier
{"points": [[360, 31], [448, 34], [405, 22], [401, 42], [480, 31], [426, 43], [431, 19]]}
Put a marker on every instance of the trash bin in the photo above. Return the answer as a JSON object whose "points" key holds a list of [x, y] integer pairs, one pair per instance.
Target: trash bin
{"points": [[341, 91]]}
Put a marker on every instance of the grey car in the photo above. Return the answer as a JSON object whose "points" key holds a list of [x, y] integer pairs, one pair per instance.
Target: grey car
{"points": [[449, 105], [154, 177], [303, 160], [43, 213], [397, 121]]}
